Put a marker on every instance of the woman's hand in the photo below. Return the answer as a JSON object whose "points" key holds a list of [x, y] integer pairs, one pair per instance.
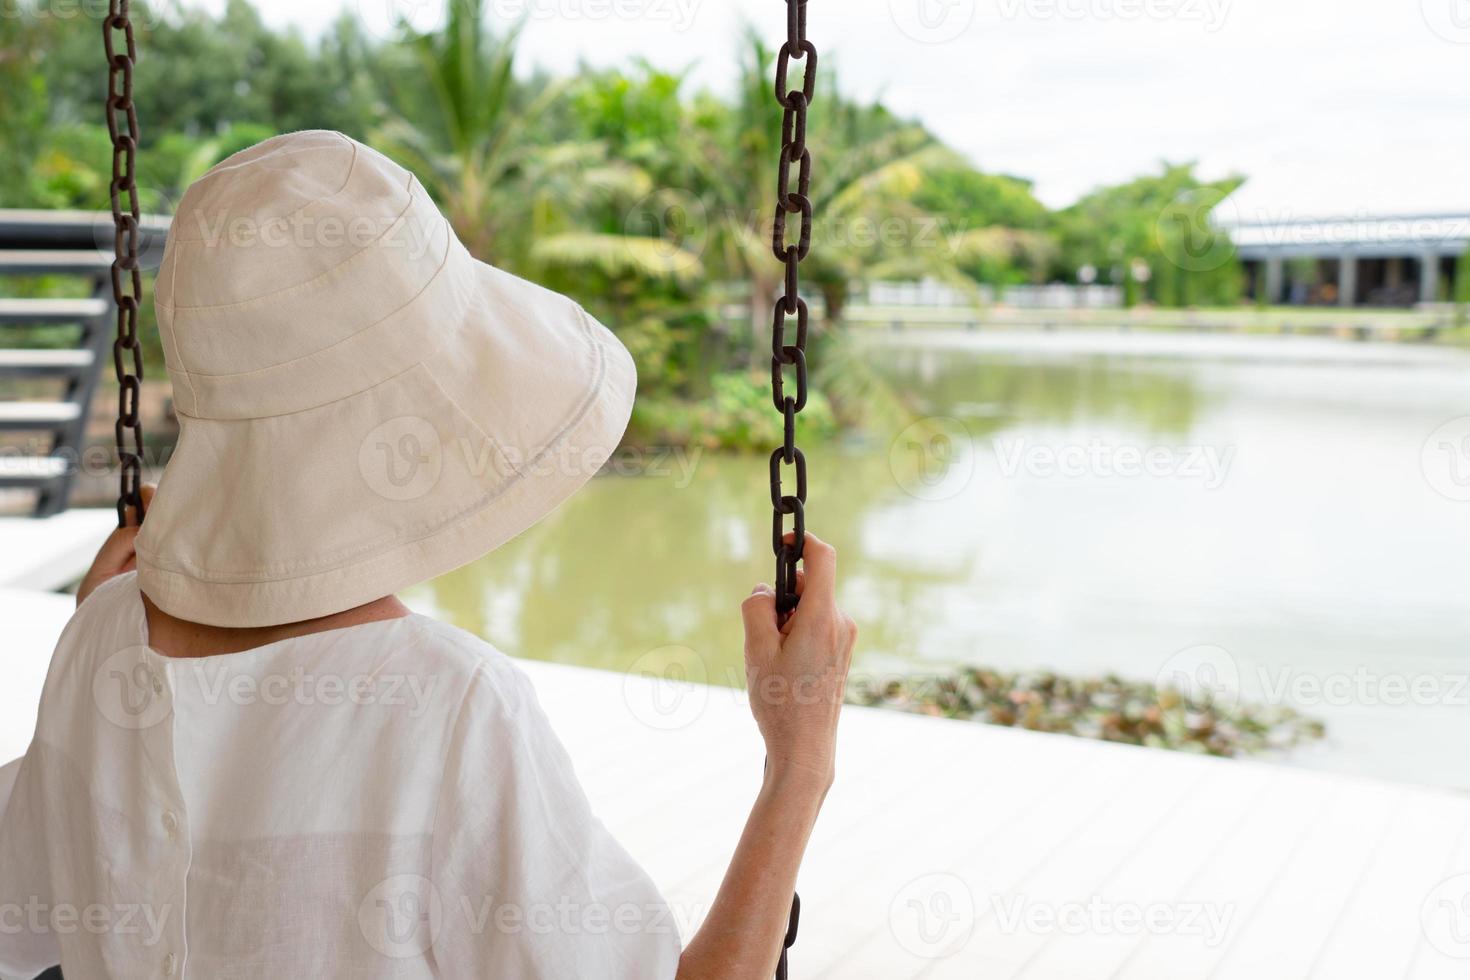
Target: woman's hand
{"points": [[797, 673], [117, 554]]}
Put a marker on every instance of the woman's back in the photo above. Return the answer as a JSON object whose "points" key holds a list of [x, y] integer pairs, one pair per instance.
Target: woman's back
{"points": [[383, 800]]}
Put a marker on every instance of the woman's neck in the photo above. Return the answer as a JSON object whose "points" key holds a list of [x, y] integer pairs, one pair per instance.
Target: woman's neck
{"points": [[175, 637]]}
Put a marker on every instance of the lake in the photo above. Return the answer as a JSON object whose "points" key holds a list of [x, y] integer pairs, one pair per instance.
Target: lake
{"points": [[1276, 518]]}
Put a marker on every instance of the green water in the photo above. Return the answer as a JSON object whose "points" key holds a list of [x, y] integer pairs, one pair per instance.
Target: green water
{"points": [[1084, 503]]}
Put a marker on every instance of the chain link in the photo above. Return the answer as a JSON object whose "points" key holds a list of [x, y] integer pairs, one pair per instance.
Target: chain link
{"points": [[791, 201], [127, 276]]}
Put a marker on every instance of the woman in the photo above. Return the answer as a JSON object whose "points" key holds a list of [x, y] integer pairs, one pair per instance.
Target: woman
{"points": [[251, 759]]}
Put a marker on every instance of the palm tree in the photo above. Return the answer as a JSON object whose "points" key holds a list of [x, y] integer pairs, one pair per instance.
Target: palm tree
{"points": [[514, 197], [866, 167], [465, 125]]}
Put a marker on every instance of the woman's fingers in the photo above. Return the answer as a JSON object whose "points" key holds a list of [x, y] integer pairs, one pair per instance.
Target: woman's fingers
{"points": [[146, 492], [759, 612], [819, 582]]}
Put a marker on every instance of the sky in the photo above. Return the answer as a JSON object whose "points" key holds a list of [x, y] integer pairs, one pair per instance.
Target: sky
{"points": [[1330, 107]]}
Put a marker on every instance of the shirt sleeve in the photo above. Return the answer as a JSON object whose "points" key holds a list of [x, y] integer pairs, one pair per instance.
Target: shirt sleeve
{"points": [[28, 945], [527, 881]]}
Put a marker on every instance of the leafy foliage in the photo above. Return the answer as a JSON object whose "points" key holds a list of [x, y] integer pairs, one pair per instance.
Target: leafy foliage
{"points": [[650, 203]]}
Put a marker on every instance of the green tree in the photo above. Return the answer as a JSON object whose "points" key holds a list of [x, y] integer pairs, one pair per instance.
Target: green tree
{"points": [[1163, 221], [1462, 288]]}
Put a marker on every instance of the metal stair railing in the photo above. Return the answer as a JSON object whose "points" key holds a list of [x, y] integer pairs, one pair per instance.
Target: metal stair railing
{"points": [[76, 245]]}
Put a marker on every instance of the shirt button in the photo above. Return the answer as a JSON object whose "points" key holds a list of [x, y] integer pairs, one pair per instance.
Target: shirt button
{"points": [[170, 963], [171, 825], [157, 683]]}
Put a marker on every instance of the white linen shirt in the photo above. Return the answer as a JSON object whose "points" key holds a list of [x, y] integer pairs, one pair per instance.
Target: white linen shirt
{"points": [[381, 801]]}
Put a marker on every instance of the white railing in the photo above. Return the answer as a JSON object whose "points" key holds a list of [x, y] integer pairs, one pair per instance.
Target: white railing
{"points": [[930, 293]]}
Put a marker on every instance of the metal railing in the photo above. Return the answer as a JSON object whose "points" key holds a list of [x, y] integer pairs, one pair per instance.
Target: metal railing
{"points": [[52, 350]]}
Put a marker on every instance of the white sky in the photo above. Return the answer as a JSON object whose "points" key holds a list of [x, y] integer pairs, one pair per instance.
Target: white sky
{"points": [[1330, 106]]}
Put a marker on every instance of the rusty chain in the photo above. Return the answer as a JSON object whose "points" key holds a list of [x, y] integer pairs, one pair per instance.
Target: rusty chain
{"points": [[127, 276], [789, 201], [794, 104]]}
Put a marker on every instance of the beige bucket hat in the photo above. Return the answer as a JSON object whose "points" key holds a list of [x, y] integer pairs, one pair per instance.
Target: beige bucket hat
{"points": [[363, 404]]}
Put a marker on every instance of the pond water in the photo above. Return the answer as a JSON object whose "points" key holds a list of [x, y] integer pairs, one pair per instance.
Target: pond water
{"points": [[1279, 518]]}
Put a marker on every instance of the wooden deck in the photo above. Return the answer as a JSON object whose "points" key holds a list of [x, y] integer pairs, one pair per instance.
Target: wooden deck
{"points": [[957, 850]]}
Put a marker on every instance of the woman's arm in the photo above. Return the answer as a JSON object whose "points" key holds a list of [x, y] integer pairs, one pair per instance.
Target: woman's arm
{"points": [[796, 675]]}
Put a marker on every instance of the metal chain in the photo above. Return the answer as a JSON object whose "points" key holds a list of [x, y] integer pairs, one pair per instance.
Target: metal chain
{"points": [[127, 277], [789, 201]]}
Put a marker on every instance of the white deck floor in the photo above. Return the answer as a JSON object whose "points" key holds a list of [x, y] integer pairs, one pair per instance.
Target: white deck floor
{"points": [[951, 849]]}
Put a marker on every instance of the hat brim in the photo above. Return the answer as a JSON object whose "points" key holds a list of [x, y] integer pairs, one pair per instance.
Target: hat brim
{"points": [[507, 413]]}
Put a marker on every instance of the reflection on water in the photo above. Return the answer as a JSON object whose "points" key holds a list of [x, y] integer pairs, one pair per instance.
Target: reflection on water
{"points": [[1085, 504]]}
